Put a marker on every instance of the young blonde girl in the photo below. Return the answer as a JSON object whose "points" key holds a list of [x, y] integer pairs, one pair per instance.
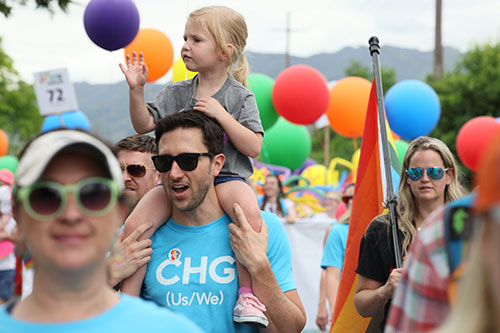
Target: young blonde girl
{"points": [[214, 37]]}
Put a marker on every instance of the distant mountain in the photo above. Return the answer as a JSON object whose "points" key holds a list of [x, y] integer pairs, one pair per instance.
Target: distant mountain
{"points": [[407, 63], [106, 106]]}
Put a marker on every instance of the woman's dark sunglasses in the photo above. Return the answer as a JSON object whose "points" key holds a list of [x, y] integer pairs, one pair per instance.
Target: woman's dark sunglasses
{"points": [[46, 200], [346, 199], [187, 161], [435, 173]]}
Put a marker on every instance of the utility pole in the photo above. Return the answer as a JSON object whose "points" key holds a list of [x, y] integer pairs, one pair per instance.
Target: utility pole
{"points": [[438, 47], [287, 46]]}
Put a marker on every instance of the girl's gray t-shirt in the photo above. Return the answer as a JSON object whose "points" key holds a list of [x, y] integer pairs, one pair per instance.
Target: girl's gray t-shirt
{"points": [[233, 96]]}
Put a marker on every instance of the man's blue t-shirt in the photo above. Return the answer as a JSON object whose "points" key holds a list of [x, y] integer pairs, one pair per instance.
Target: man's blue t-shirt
{"points": [[333, 254], [193, 271], [130, 315]]}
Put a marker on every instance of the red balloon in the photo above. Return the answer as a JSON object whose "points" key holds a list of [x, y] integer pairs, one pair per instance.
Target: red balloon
{"points": [[473, 138], [300, 94]]}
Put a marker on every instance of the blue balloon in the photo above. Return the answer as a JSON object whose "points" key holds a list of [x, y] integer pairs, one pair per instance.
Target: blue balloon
{"points": [[111, 24], [412, 109], [71, 120]]}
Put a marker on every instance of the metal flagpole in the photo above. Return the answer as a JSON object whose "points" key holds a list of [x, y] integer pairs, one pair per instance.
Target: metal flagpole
{"points": [[390, 202]]}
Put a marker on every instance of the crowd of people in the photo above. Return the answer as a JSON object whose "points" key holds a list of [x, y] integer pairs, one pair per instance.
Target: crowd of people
{"points": [[165, 233]]}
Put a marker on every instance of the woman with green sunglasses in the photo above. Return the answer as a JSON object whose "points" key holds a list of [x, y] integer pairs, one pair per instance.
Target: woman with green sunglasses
{"points": [[69, 207], [429, 179]]}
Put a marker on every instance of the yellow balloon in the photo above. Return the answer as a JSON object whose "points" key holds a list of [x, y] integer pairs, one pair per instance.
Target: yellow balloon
{"points": [[316, 174], [181, 73], [333, 173], [355, 162], [306, 205]]}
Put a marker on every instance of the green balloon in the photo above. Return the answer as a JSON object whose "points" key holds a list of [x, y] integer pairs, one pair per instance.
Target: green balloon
{"points": [[8, 162], [401, 148], [286, 144], [262, 86]]}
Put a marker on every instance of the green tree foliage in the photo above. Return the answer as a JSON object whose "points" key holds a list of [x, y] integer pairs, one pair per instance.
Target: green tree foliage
{"points": [[472, 89], [357, 69], [19, 116], [6, 5], [339, 146]]}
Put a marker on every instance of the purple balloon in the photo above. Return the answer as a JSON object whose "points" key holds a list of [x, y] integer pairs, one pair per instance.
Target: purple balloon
{"points": [[276, 169], [111, 24]]}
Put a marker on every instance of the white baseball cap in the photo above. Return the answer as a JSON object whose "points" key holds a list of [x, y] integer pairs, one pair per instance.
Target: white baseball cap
{"points": [[43, 148]]}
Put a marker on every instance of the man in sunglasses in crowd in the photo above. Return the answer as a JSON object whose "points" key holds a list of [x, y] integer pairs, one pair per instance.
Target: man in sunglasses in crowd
{"points": [[140, 176], [69, 206], [193, 269], [139, 173]]}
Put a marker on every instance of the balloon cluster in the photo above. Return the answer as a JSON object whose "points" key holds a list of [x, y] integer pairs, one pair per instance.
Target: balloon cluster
{"points": [[114, 24], [307, 185]]}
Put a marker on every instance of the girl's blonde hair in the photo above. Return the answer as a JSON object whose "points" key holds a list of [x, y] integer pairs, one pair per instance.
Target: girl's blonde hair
{"points": [[226, 27], [406, 207], [474, 311]]}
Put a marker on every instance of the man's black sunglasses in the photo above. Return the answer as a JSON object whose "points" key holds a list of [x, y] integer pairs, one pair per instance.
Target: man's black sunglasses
{"points": [[187, 161]]}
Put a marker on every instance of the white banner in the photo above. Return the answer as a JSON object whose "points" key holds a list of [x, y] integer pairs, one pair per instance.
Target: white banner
{"points": [[306, 239]]}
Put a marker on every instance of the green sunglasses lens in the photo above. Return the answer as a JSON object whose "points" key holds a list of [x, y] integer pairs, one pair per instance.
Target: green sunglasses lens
{"points": [[95, 196], [45, 201]]}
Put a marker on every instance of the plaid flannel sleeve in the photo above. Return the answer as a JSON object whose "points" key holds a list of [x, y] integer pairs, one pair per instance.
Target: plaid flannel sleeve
{"points": [[421, 301]]}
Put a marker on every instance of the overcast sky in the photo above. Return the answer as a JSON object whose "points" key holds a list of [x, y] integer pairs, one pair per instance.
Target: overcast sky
{"points": [[39, 41]]}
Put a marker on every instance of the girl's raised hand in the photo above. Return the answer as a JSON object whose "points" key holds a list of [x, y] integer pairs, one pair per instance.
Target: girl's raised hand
{"points": [[136, 72]]}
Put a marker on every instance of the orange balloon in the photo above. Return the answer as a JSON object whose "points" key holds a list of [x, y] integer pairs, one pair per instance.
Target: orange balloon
{"points": [[4, 143], [157, 49], [347, 109]]}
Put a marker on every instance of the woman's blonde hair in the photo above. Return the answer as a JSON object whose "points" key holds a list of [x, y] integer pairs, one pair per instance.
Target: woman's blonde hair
{"points": [[406, 208], [474, 311], [226, 27]]}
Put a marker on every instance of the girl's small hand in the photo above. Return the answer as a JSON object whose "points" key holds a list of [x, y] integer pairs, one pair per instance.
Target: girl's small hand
{"points": [[210, 106], [136, 72]]}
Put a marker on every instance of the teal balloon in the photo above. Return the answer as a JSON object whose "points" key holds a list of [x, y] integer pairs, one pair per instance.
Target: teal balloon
{"points": [[286, 144], [262, 86], [9, 162], [401, 148], [413, 108]]}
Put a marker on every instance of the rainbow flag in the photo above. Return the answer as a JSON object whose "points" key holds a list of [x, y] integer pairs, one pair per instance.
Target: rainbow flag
{"points": [[369, 193]]}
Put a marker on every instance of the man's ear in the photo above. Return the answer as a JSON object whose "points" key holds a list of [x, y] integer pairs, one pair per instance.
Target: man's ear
{"points": [[217, 163]]}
